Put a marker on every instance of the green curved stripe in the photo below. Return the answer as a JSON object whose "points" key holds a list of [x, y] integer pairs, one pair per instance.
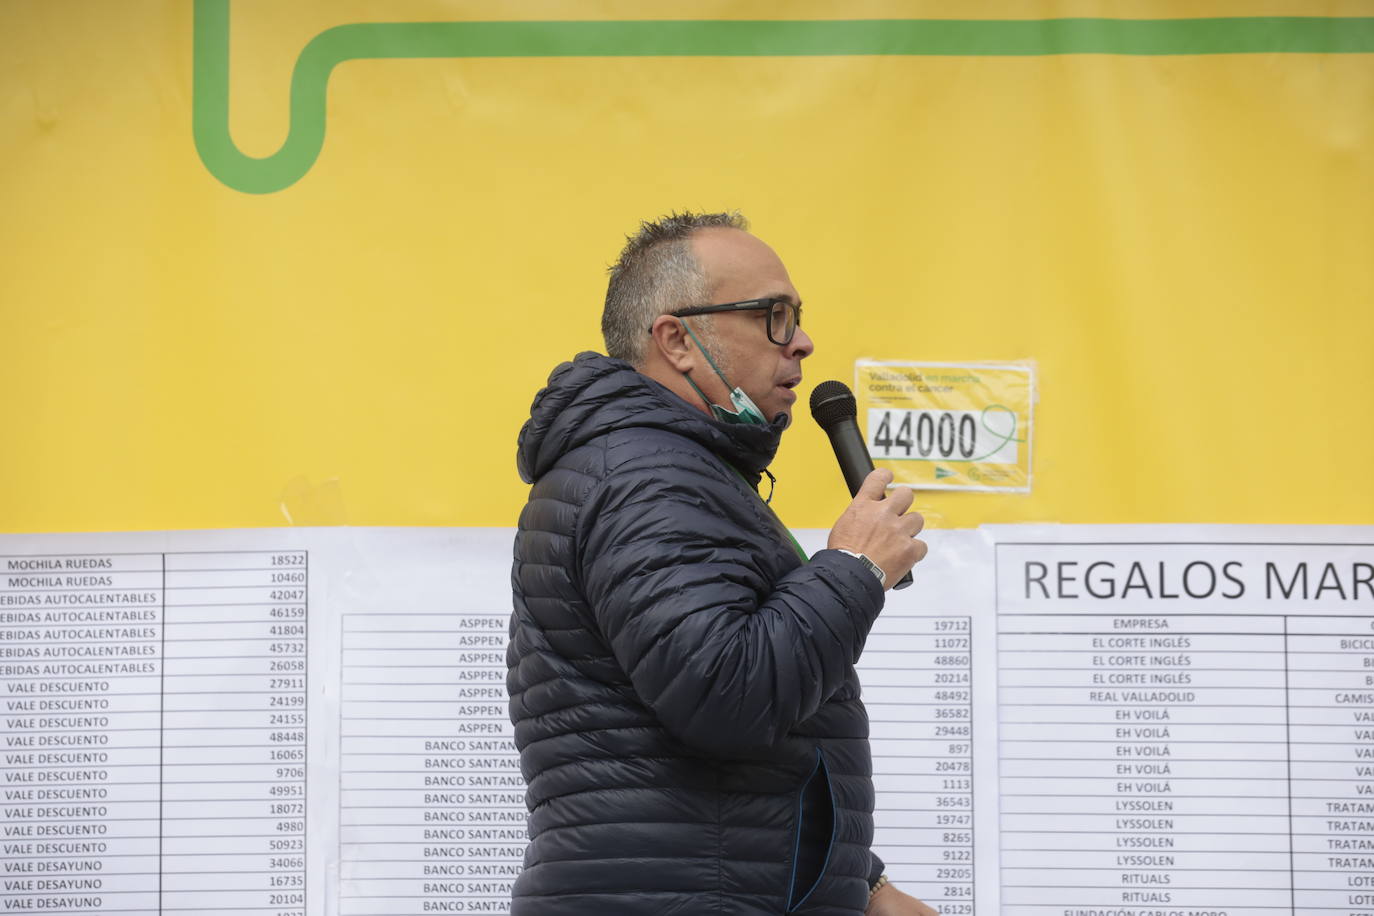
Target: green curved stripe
{"points": [[696, 38]]}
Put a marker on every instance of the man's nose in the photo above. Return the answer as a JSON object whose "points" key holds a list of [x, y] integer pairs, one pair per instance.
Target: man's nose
{"points": [[801, 345]]}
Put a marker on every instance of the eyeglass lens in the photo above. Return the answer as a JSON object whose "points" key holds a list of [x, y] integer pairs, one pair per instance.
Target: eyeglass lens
{"points": [[782, 323]]}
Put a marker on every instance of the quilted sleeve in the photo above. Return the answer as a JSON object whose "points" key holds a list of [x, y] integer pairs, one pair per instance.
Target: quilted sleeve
{"points": [[674, 564]]}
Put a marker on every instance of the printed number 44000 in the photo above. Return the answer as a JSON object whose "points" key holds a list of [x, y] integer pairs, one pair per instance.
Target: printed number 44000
{"points": [[944, 435]]}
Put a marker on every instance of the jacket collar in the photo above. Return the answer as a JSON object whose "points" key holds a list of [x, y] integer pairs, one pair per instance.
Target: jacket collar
{"points": [[595, 394]]}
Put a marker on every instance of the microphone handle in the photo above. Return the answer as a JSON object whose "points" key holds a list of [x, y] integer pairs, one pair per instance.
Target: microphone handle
{"points": [[851, 453], [855, 464]]}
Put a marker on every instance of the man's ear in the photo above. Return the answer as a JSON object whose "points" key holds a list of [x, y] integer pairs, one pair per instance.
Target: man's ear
{"points": [[670, 338]]}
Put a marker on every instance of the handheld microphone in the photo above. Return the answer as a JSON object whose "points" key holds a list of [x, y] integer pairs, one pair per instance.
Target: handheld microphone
{"points": [[833, 407]]}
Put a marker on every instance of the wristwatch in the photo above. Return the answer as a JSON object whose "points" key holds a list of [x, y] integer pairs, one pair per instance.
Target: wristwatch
{"points": [[868, 564]]}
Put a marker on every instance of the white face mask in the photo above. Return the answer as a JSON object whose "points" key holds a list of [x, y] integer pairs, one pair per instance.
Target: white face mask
{"points": [[746, 412]]}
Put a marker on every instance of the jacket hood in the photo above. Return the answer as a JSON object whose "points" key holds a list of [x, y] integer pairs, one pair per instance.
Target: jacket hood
{"points": [[594, 395]]}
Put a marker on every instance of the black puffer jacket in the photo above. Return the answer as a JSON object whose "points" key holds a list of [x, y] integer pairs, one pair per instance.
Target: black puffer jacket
{"points": [[682, 684]]}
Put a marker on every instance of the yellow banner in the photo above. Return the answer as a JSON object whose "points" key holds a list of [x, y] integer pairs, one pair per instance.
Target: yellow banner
{"points": [[307, 263]]}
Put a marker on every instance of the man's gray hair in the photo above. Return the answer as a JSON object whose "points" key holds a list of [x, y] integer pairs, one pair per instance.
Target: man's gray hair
{"points": [[657, 274]]}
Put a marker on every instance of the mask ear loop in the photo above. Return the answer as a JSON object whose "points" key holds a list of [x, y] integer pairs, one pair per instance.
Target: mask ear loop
{"points": [[706, 353], [746, 411], [701, 394], [711, 362]]}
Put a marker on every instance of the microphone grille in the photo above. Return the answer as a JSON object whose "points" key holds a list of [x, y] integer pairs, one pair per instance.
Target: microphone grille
{"points": [[831, 403]]}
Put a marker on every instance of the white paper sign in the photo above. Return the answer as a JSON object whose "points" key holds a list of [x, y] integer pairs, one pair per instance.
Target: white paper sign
{"points": [[1107, 720]]}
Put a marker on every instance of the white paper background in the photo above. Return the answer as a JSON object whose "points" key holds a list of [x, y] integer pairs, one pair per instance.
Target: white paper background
{"points": [[412, 787]]}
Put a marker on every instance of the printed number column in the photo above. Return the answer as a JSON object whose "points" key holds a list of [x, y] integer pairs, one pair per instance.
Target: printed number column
{"points": [[1331, 708], [917, 679], [1144, 764], [432, 802], [234, 726], [80, 639]]}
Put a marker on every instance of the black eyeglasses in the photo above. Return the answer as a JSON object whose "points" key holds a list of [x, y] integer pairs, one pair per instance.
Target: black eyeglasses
{"points": [[784, 317]]}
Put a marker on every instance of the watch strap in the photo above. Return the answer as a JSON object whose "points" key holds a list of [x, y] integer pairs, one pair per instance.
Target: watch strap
{"points": [[869, 564]]}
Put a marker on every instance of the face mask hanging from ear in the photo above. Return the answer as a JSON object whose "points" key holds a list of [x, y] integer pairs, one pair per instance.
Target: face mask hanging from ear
{"points": [[746, 412]]}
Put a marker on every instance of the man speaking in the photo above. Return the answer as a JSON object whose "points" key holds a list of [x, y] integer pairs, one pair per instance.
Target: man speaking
{"points": [[681, 675]]}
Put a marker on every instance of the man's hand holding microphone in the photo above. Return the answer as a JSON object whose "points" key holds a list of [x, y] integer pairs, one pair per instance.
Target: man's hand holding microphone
{"points": [[876, 528], [879, 527]]}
